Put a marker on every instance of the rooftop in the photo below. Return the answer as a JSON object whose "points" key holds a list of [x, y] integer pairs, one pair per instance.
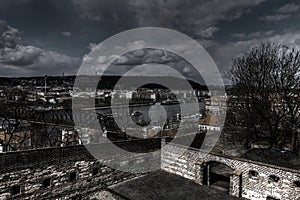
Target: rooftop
{"points": [[210, 120]]}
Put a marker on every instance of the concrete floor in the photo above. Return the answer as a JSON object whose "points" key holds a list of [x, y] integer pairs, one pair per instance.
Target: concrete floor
{"points": [[161, 185]]}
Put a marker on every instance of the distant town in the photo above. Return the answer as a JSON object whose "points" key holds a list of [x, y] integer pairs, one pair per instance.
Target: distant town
{"points": [[36, 112]]}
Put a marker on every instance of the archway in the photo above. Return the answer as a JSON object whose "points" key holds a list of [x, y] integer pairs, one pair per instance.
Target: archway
{"points": [[217, 175]]}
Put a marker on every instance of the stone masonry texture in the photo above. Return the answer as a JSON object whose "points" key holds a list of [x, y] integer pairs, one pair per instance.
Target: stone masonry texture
{"points": [[73, 173]]}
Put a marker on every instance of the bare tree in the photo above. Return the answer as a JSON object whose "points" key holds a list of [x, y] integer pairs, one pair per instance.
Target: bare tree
{"points": [[14, 112], [265, 95]]}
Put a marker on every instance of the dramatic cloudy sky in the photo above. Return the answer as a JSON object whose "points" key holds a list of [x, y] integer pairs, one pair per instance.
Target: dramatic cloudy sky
{"points": [[52, 36]]}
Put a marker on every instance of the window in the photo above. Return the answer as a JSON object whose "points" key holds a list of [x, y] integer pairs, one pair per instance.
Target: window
{"points": [[271, 198], [253, 173], [95, 171], [72, 176], [47, 182], [15, 190], [273, 178], [297, 183], [5, 177], [77, 197]]}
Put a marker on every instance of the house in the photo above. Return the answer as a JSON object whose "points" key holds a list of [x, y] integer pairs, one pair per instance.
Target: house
{"points": [[210, 122], [17, 141]]}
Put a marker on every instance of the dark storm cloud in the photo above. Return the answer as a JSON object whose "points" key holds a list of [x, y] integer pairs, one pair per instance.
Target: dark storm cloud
{"points": [[121, 14], [19, 60], [66, 34], [199, 19], [192, 17], [195, 17], [224, 53], [8, 36], [282, 13], [151, 56], [55, 33], [289, 8], [274, 18], [42, 24], [147, 56], [142, 62]]}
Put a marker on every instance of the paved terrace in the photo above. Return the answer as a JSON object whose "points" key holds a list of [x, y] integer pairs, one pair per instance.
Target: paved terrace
{"points": [[163, 185]]}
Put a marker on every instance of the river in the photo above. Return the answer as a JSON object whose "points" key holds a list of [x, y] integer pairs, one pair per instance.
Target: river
{"points": [[154, 111]]}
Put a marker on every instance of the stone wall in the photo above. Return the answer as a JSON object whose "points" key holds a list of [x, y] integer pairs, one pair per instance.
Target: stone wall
{"points": [[249, 179], [73, 173], [67, 172]]}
